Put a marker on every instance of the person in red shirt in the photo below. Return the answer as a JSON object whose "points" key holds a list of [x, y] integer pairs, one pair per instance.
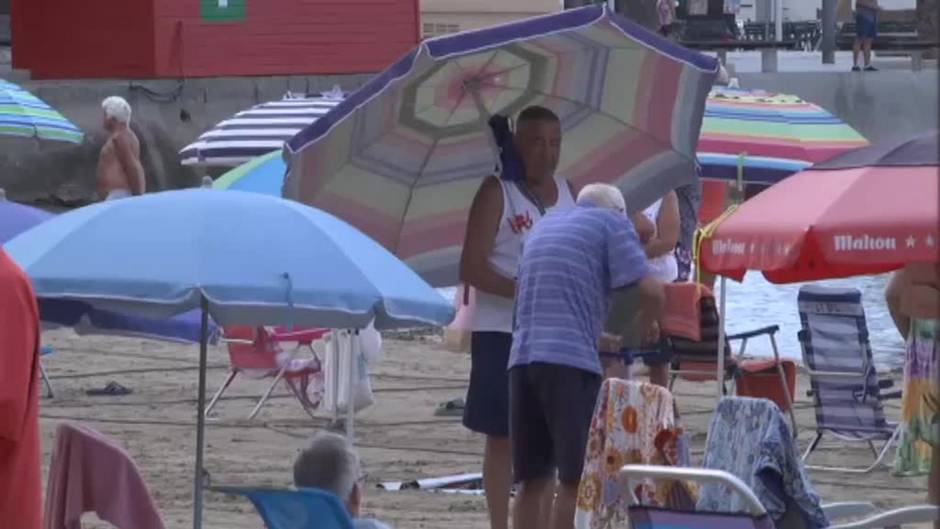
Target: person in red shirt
{"points": [[20, 454]]}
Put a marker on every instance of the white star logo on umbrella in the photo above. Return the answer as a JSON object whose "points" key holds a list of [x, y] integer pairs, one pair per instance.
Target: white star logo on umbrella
{"points": [[929, 241], [911, 241]]}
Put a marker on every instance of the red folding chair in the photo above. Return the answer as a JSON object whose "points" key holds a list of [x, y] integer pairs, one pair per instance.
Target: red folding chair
{"points": [[256, 350]]}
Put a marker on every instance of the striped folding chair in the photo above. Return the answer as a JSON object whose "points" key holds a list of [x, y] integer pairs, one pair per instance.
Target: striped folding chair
{"points": [[294, 509], [844, 383]]}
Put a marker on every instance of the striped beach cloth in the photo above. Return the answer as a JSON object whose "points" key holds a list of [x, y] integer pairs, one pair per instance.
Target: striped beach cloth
{"points": [[257, 131], [24, 115]]}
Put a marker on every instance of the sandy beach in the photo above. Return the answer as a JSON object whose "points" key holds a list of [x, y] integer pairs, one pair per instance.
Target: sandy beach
{"points": [[399, 437]]}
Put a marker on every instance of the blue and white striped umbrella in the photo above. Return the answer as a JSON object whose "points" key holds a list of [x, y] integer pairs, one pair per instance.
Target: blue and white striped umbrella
{"points": [[257, 131], [24, 115]]}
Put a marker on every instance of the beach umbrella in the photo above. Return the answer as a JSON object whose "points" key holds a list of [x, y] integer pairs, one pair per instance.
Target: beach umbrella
{"points": [[24, 115], [768, 136], [402, 157], [256, 131], [241, 258], [867, 211], [82, 317], [264, 174]]}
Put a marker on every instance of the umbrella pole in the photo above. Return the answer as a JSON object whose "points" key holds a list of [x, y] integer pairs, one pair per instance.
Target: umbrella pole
{"points": [[721, 339], [353, 378], [201, 417]]}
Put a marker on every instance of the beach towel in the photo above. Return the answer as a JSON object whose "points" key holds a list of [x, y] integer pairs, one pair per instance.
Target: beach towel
{"points": [[750, 439], [633, 423], [682, 315], [20, 453], [92, 473]]}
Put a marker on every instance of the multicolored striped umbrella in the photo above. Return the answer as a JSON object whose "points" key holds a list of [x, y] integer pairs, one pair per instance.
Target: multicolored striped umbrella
{"points": [[264, 174], [26, 116], [774, 135], [402, 157], [256, 131]]}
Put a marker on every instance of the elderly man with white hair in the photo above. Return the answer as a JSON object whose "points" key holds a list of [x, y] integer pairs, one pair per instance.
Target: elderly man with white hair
{"points": [[330, 463], [575, 265], [120, 173]]}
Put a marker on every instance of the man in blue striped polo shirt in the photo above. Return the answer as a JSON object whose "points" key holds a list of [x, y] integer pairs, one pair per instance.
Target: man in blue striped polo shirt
{"points": [[572, 263]]}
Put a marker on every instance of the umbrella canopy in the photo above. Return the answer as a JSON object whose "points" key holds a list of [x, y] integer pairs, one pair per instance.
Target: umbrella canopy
{"points": [[867, 211], [84, 318], [264, 174], [402, 157], [255, 259], [780, 134], [26, 116], [259, 130]]}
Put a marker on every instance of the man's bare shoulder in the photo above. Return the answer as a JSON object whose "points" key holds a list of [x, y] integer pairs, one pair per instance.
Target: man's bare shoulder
{"points": [[126, 139]]}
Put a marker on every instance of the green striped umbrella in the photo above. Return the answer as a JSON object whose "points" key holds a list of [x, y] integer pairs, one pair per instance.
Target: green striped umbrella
{"points": [[24, 115]]}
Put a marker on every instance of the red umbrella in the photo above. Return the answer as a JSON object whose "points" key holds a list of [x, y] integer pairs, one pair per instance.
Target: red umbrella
{"points": [[868, 211]]}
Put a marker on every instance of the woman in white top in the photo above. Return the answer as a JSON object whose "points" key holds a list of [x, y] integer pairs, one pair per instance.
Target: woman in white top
{"points": [[661, 257]]}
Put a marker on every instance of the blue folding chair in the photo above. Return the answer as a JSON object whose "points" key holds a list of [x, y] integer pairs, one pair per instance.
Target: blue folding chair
{"points": [[844, 383], [295, 509]]}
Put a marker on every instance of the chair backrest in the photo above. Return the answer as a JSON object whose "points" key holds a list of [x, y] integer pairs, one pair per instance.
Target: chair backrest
{"points": [[643, 517], [706, 349], [295, 509], [834, 339], [250, 347]]}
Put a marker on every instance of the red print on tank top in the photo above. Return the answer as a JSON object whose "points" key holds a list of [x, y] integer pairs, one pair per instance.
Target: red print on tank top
{"points": [[520, 223]]}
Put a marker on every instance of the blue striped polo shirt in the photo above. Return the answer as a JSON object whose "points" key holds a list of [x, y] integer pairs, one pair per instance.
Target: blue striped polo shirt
{"points": [[571, 262]]}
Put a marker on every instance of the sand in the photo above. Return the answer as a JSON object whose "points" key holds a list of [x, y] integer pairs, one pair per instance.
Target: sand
{"points": [[399, 437]]}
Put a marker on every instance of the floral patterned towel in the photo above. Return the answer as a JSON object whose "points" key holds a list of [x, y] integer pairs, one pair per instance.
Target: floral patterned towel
{"points": [[921, 392], [634, 423]]}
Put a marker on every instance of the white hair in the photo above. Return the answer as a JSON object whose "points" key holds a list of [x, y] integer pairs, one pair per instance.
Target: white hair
{"points": [[118, 108], [603, 196], [328, 463]]}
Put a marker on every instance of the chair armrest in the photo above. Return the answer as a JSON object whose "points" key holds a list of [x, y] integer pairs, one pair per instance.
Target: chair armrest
{"points": [[769, 330], [895, 518], [892, 395], [304, 336], [847, 509]]}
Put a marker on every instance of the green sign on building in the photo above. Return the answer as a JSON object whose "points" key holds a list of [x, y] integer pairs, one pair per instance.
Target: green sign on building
{"points": [[222, 10]]}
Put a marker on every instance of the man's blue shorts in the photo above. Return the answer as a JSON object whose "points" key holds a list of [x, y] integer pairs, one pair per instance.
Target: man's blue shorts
{"points": [[866, 24]]}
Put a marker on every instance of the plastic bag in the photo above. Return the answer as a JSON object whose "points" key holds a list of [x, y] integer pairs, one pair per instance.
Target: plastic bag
{"points": [[336, 369], [457, 334]]}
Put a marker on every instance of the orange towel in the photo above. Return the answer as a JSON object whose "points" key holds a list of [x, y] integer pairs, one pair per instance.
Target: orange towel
{"points": [[682, 315]]}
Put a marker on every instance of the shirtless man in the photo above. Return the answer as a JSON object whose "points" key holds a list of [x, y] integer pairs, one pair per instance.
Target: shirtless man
{"points": [[120, 173]]}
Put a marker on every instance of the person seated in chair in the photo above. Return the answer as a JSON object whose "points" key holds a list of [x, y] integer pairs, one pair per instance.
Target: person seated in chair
{"points": [[330, 463]]}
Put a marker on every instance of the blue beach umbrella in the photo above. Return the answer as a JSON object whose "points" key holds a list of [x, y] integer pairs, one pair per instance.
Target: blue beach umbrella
{"points": [[243, 258]]}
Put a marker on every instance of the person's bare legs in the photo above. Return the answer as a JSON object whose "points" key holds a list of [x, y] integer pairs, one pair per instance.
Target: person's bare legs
{"points": [[497, 479], [548, 503], [565, 503], [856, 51], [527, 509], [866, 47]]}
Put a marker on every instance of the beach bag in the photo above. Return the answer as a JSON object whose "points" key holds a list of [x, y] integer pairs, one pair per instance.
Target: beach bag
{"points": [[457, 334], [336, 370]]}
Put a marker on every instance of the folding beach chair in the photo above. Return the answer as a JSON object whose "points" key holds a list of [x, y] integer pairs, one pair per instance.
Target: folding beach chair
{"points": [[255, 350], [844, 384], [755, 515], [45, 350], [698, 359], [294, 509]]}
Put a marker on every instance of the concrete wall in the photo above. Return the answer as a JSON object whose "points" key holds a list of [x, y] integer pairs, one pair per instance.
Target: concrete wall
{"points": [[883, 106], [164, 124]]}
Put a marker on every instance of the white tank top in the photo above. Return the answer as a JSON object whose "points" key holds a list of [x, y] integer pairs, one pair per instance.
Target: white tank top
{"points": [[492, 312], [665, 267]]}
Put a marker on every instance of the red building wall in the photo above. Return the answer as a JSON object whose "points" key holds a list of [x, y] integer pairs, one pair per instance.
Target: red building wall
{"points": [[171, 38]]}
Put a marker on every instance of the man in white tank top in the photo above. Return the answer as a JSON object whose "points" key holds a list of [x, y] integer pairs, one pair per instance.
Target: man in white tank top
{"points": [[502, 215]]}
